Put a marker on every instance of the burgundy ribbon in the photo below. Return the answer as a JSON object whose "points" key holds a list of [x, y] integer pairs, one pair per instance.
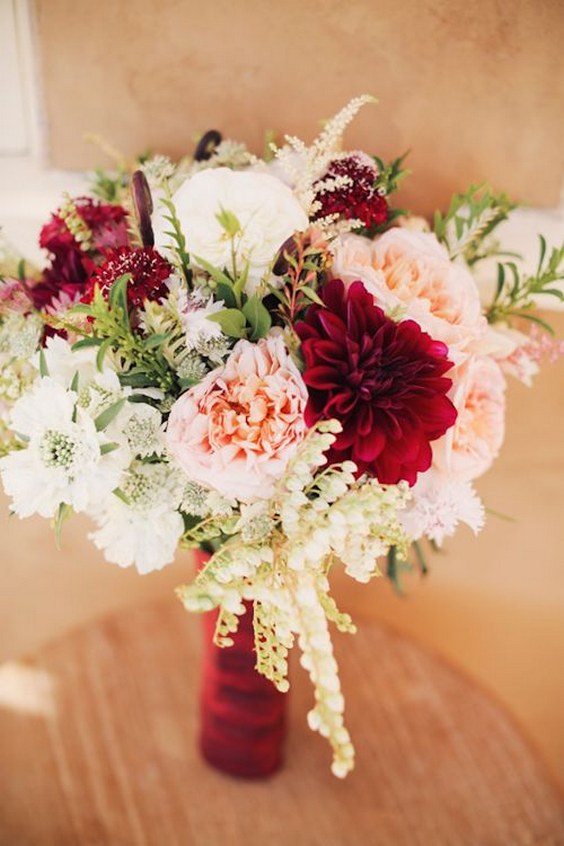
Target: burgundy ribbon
{"points": [[242, 726]]}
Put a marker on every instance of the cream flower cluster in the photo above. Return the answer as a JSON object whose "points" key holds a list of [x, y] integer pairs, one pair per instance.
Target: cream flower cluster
{"points": [[278, 557]]}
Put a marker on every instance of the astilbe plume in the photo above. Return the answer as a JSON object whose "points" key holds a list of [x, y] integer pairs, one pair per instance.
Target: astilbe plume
{"points": [[383, 381]]}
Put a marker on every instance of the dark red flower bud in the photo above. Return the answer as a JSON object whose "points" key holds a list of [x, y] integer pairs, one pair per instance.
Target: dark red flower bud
{"points": [[143, 205], [207, 144]]}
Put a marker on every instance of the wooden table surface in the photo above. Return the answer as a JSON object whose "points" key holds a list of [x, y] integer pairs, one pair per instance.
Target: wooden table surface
{"points": [[97, 746]]}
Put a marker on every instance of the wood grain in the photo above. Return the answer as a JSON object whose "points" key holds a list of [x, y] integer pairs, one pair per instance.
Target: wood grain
{"points": [[439, 763]]}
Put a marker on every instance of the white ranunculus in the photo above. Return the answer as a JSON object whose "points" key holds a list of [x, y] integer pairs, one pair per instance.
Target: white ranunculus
{"points": [[266, 209]]}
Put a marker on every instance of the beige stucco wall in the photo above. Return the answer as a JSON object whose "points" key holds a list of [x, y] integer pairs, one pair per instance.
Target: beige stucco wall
{"points": [[475, 89]]}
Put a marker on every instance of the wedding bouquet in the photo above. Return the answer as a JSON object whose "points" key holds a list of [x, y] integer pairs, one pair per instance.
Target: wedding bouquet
{"points": [[265, 359]]}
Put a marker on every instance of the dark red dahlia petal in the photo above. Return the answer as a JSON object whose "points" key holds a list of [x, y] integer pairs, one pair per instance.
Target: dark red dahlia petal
{"points": [[382, 380]]}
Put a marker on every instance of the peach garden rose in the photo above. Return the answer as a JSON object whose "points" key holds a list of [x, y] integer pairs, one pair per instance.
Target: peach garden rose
{"points": [[410, 274], [478, 393], [236, 431]]}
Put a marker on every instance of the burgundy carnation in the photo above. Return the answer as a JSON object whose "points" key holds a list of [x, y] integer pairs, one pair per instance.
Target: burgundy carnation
{"points": [[357, 198], [149, 272], [382, 380]]}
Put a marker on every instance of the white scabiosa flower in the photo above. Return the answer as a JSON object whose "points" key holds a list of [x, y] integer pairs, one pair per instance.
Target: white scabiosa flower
{"points": [[438, 504], [142, 526], [65, 460]]}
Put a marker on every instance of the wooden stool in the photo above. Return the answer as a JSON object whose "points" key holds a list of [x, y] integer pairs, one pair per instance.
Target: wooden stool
{"points": [[108, 756]]}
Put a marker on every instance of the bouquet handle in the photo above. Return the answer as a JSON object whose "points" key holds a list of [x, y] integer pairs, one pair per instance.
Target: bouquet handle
{"points": [[242, 714]]}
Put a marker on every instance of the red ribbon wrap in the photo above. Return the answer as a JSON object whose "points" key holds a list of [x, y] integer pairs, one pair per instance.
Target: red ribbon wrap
{"points": [[242, 726]]}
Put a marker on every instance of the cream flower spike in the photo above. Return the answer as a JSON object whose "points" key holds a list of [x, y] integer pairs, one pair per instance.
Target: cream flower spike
{"points": [[304, 165]]}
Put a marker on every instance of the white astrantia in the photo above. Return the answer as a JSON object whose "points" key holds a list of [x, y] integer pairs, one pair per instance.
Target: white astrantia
{"points": [[64, 459], [19, 335], [141, 425], [142, 526], [438, 504]]}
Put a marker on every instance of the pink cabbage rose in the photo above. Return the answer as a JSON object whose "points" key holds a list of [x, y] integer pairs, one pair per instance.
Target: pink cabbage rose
{"points": [[237, 429], [410, 274], [478, 392]]}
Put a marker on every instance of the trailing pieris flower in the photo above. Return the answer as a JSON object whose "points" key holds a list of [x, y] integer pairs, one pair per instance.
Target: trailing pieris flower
{"points": [[142, 526], [438, 503], [65, 460]]}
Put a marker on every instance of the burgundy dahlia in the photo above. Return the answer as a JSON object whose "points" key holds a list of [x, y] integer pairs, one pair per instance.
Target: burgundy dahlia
{"points": [[382, 380], [149, 272], [348, 190]]}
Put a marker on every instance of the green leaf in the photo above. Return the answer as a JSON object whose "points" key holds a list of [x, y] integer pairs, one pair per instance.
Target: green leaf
{"points": [[104, 347], [542, 254], [120, 495], [63, 512], [137, 380], [156, 340], [74, 383], [534, 318], [231, 320], [117, 298], [311, 295], [421, 561], [229, 222], [109, 447], [84, 343], [258, 317], [81, 308], [554, 292], [225, 292], [21, 270], [216, 274], [105, 418], [43, 369]]}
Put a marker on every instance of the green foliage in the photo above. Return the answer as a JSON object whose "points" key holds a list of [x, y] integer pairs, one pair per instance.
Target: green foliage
{"points": [[182, 259], [229, 223], [105, 417], [306, 264], [471, 218], [64, 511], [390, 175], [142, 360], [232, 322], [515, 292], [109, 186], [258, 317]]}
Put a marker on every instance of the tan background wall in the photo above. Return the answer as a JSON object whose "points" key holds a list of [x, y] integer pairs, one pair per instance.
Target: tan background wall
{"points": [[475, 89]]}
